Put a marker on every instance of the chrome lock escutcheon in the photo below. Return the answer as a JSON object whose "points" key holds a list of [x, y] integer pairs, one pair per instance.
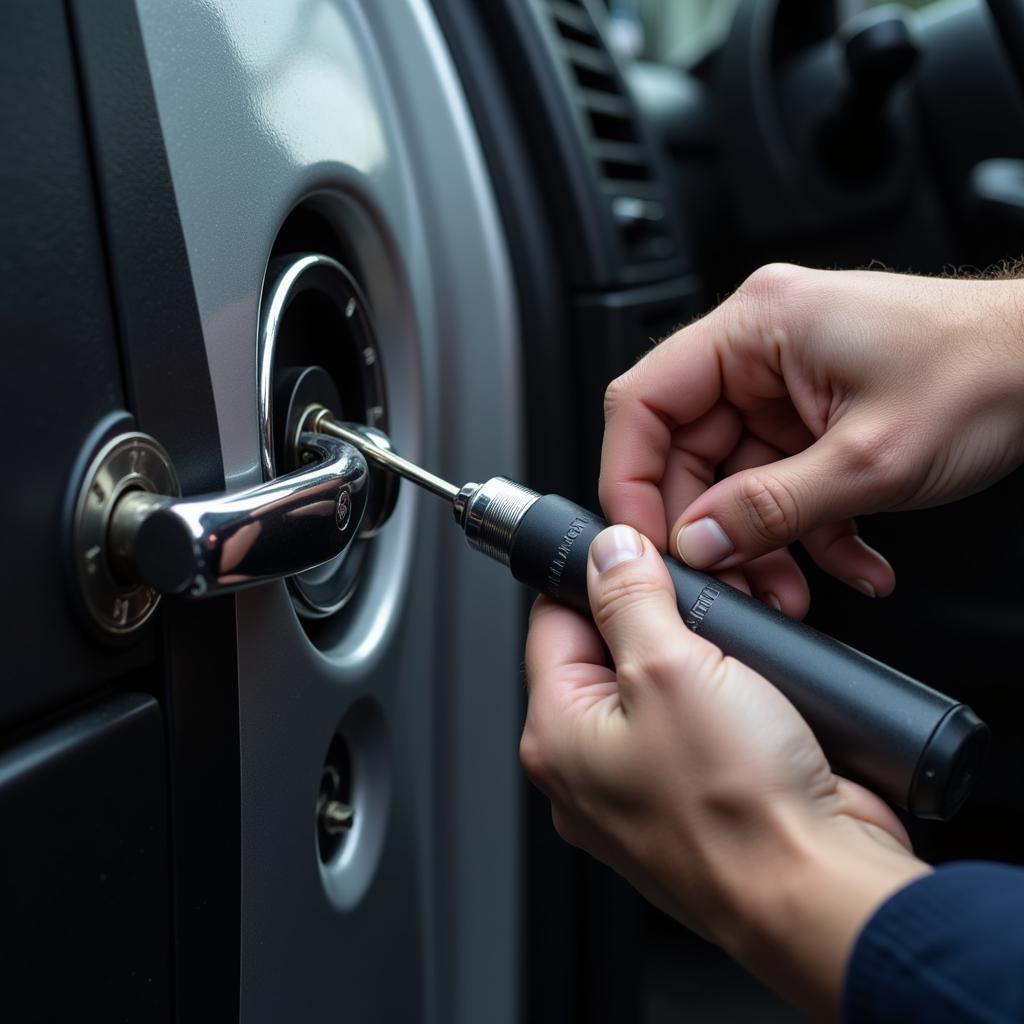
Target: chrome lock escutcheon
{"points": [[136, 539], [317, 347]]}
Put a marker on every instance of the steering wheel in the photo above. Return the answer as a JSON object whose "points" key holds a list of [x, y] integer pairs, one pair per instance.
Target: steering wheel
{"points": [[1009, 18]]}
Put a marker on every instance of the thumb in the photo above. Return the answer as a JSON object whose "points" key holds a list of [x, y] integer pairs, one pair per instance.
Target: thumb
{"points": [[755, 511], [634, 606]]}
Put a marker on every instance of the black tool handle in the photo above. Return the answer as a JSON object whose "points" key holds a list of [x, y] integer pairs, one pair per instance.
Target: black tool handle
{"points": [[910, 744]]}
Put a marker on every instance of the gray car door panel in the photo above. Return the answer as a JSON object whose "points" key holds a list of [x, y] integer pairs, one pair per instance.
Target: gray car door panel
{"points": [[355, 108]]}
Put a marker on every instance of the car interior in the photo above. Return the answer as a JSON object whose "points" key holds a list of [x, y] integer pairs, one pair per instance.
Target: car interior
{"points": [[289, 790]]}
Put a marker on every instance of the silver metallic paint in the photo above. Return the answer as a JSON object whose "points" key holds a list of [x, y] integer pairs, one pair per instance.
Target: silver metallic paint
{"points": [[263, 103]]}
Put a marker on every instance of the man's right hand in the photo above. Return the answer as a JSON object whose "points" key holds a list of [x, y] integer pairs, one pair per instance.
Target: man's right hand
{"points": [[816, 396]]}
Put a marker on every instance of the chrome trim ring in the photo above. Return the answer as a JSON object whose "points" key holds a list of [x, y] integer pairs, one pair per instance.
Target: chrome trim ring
{"points": [[128, 462], [327, 589]]}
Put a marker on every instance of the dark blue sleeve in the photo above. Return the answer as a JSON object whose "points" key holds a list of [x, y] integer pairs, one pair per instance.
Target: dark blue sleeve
{"points": [[947, 948]]}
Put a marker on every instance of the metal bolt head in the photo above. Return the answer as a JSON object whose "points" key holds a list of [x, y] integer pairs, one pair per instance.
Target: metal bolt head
{"points": [[343, 509], [336, 817]]}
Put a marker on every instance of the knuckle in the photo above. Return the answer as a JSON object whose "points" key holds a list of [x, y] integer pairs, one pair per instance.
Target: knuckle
{"points": [[725, 676], [666, 666], [534, 758], [655, 665], [617, 392], [726, 672], [772, 283], [773, 305], [871, 453], [622, 593], [771, 509]]}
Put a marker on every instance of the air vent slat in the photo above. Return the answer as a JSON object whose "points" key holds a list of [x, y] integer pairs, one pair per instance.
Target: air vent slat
{"points": [[624, 164], [583, 56], [623, 161], [606, 103], [572, 15], [575, 35]]}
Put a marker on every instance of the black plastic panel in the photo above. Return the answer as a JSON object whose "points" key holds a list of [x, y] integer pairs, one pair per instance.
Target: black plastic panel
{"points": [[170, 394], [61, 371], [85, 885], [92, 255], [168, 380], [612, 331]]}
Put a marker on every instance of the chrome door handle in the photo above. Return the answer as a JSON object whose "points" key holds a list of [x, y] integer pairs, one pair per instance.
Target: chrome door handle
{"points": [[206, 545], [134, 541]]}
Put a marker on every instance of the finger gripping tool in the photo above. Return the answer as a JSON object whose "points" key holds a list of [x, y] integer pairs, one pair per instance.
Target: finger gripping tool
{"points": [[914, 746]]}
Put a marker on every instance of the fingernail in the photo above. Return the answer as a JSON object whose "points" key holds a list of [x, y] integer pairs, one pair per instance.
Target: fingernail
{"points": [[865, 587], [703, 543], [614, 546], [769, 598]]}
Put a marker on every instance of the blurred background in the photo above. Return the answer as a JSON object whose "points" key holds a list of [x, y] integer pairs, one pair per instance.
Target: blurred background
{"points": [[685, 32]]}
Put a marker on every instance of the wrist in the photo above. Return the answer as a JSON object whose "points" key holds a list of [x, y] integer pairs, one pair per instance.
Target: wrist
{"points": [[998, 334], [795, 919]]}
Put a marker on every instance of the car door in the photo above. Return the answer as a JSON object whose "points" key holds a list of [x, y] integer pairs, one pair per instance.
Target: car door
{"points": [[164, 764]]}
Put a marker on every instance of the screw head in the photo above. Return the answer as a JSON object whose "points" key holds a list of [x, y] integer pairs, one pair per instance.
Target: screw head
{"points": [[336, 817], [343, 509]]}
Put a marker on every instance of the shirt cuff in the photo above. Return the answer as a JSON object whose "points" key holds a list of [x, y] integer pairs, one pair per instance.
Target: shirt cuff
{"points": [[947, 948]]}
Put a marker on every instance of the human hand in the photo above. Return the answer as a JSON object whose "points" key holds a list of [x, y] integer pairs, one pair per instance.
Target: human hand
{"points": [[694, 778], [820, 395]]}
